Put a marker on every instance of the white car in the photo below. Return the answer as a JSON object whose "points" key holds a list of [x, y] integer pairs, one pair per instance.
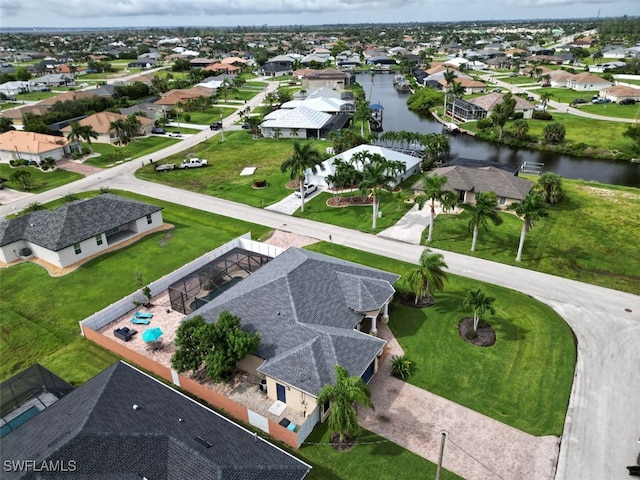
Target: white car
{"points": [[308, 189], [175, 134]]}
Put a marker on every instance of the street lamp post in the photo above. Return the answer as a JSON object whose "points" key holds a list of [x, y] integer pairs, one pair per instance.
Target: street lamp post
{"points": [[221, 128]]}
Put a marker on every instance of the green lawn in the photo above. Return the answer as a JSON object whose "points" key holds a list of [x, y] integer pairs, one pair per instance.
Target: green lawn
{"points": [[110, 155], [579, 133], [211, 114], [41, 313], [392, 207], [506, 381], [587, 237], [222, 177], [40, 181], [372, 457]]}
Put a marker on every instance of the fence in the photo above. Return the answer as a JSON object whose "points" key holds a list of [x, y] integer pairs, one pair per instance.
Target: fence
{"points": [[90, 325]]}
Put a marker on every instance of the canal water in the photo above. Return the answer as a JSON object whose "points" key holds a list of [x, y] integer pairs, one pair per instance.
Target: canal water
{"points": [[397, 117]]}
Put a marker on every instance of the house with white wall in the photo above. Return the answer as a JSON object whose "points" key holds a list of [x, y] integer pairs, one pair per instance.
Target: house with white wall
{"points": [[34, 147], [77, 230]]}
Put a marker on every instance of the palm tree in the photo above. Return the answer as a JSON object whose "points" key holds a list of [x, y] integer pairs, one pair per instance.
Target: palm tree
{"points": [[377, 173], [477, 301], [531, 209], [304, 157], [432, 188], [119, 128], [343, 418], [429, 276], [75, 134], [87, 132], [449, 200], [483, 211], [544, 98], [362, 114]]}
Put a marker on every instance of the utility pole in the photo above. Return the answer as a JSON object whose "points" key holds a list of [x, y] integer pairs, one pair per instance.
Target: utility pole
{"points": [[444, 436]]}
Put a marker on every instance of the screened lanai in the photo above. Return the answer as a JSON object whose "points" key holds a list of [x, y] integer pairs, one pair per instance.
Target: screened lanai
{"points": [[200, 287]]}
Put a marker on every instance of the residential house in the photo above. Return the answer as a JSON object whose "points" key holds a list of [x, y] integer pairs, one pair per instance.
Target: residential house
{"points": [[15, 114], [76, 230], [314, 58], [587, 81], [101, 124], [412, 163], [300, 122], [12, 89], [620, 92], [469, 181], [54, 80], [144, 63], [488, 103], [328, 77], [279, 65], [312, 312], [558, 78], [34, 147], [124, 423], [181, 96], [222, 67], [202, 62]]}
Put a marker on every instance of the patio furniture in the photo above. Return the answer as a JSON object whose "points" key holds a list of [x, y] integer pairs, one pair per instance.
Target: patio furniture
{"points": [[143, 315], [125, 333], [284, 422], [154, 345], [140, 321]]}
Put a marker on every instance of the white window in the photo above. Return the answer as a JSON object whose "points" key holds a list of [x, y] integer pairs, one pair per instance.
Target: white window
{"points": [[149, 220], [77, 249], [502, 200], [99, 239]]}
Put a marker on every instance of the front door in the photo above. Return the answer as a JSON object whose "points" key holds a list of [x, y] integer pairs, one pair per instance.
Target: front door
{"points": [[281, 391]]}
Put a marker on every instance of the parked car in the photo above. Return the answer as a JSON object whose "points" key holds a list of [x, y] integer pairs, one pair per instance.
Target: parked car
{"points": [[600, 100], [215, 126], [627, 101], [175, 134], [193, 163], [157, 130], [531, 98], [308, 189], [497, 90], [577, 101], [246, 126]]}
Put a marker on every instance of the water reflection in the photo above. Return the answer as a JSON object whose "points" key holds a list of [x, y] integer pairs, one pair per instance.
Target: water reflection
{"points": [[397, 117]]}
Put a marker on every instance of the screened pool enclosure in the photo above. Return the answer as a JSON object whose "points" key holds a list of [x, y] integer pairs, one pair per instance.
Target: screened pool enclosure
{"points": [[200, 287]]}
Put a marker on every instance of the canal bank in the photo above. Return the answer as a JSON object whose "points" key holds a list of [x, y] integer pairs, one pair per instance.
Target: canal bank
{"points": [[397, 117]]}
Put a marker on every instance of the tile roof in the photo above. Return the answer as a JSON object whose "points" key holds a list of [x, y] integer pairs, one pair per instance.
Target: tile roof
{"points": [[490, 100], [73, 222], [101, 122], [31, 142], [168, 436], [305, 306]]}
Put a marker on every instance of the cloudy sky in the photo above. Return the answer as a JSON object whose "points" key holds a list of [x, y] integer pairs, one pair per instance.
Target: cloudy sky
{"points": [[130, 13]]}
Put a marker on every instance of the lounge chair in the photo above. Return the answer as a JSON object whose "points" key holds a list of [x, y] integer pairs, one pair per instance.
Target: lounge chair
{"points": [[143, 315], [140, 321]]}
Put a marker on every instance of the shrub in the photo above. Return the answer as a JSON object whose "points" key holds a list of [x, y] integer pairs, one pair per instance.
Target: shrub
{"points": [[401, 367], [542, 115], [260, 183], [86, 150], [518, 115], [484, 123]]}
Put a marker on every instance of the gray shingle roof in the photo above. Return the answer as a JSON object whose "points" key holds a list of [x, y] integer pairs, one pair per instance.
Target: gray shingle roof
{"points": [[482, 179], [305, 307], [97, 427], [73, 222]]}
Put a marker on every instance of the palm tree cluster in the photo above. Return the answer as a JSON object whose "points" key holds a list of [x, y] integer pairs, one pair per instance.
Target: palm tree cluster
{"points": [[126, 130], [82, 132], [479, 303], [378, 174]]}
